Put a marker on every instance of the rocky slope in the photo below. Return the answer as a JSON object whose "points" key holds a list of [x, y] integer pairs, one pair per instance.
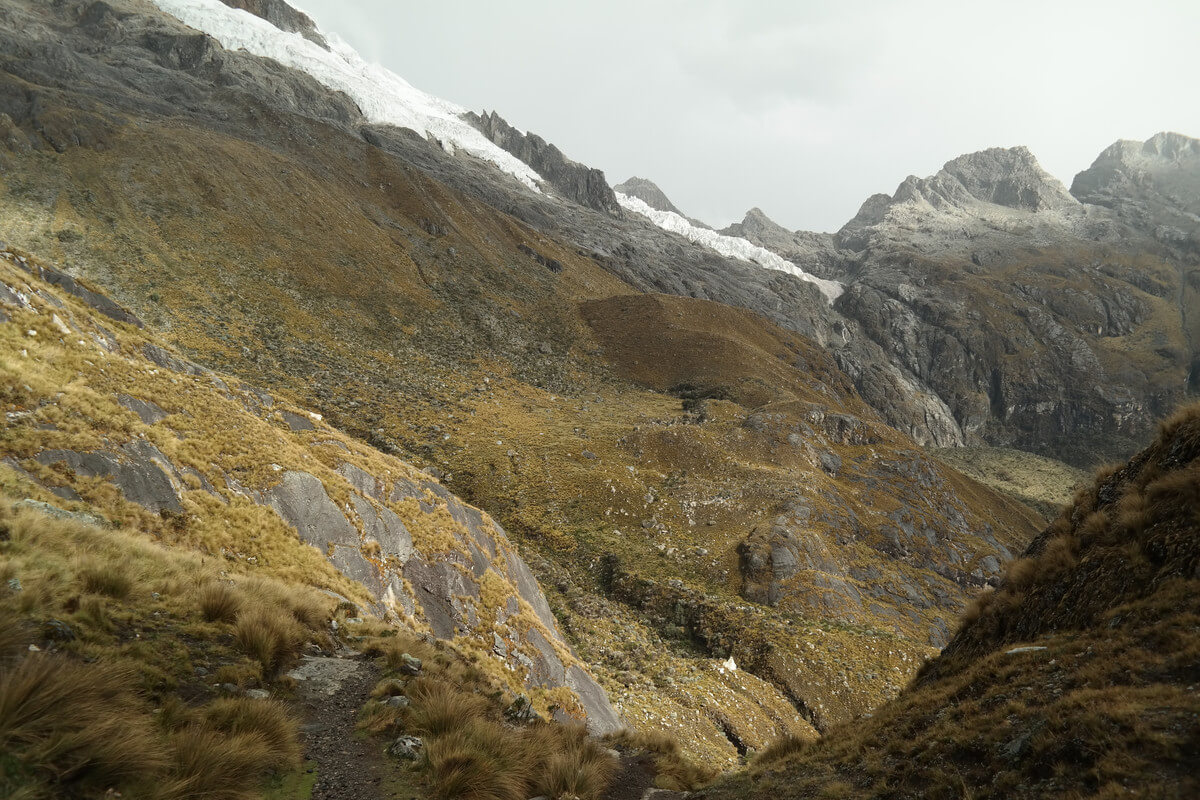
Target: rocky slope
{"points": [[102, 419], [1043, 322], [1054, 321], [1077, 675], [690, 481]]}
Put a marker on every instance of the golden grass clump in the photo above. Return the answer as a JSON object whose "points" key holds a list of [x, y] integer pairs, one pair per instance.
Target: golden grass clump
{"points": [[219, 602], [470, 752], [477, 761], [74, 726], [306, 606], [71, 728], [780, 750], [270, 637], [439, 708], [577, 765], [210, 764], [266, 718], [109, 579]]}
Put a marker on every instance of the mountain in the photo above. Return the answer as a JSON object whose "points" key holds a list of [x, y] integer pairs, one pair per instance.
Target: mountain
{"points": [[1077, 674], [815, 252], [649, 193], [707, 447], [1044, 322], [690, 481]]}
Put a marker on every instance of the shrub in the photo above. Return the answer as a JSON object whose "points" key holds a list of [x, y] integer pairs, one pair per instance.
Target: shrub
{"points": [[219, 602]]}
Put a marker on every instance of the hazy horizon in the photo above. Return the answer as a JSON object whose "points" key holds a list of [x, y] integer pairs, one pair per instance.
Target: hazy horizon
{"points": [[802, 109]]}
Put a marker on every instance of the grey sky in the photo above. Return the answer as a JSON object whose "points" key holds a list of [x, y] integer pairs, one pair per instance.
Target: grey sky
{"points": [[801, 108]]}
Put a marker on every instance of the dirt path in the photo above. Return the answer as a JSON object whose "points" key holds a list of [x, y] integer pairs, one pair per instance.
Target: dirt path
{"points": [[331, 691]]}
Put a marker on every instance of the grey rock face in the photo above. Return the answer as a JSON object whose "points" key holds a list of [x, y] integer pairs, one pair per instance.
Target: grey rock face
{"points": [[96, 300], [168, 360], [648, 192], [297, 422], [382, 526], [301, 501], [601, 717], [575, 181], [1153, 185], [282, 16], [137, 470], [149, 412], [816, 253]]}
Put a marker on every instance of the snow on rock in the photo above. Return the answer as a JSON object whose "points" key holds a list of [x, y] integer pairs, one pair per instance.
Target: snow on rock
{"points": [[730, 246], [384, 97]]}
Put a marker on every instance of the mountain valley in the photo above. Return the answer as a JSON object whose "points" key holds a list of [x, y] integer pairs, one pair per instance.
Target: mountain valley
{"points": [[731, 489]]}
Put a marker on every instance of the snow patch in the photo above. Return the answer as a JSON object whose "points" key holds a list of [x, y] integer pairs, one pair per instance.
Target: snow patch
{"points": [[730, 246], [383, 96]]}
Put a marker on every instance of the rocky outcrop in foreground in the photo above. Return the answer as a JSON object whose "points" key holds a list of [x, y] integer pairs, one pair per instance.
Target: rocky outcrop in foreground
{"points": [[188, 452]]}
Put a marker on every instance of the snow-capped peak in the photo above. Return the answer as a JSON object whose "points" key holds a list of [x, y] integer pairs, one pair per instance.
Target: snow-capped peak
{"points": [[730, 246], [383, 96]]}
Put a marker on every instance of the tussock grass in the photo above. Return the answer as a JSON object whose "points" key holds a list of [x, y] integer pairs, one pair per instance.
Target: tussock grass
{"points": [[779, 750], [270, 637], [268, 719], [210, 764], [108, 579], [440, 709], [72, 725], [470, 750], [80, 720], [219, 602]]}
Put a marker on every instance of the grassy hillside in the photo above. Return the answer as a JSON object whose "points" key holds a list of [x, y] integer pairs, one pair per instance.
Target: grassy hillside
{"points": [[1076, 677], [733, 466], [1042, 483]]}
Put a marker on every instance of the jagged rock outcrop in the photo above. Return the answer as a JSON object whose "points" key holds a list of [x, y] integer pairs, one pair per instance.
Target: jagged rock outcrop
{"points": [[1016, 304], [282, 16], [1153, 185], [813, 252], [648, 192], [576, 182]]}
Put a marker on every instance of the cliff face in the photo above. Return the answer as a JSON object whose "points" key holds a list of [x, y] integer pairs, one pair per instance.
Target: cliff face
{"points": [[1029, 312]]}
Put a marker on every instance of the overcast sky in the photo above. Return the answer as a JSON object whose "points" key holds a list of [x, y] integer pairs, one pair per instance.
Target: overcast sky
{"points": [[802, 108]]}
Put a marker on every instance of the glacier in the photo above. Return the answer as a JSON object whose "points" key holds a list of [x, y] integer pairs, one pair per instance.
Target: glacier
{"points": [[731, 246], [383, 96]]}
